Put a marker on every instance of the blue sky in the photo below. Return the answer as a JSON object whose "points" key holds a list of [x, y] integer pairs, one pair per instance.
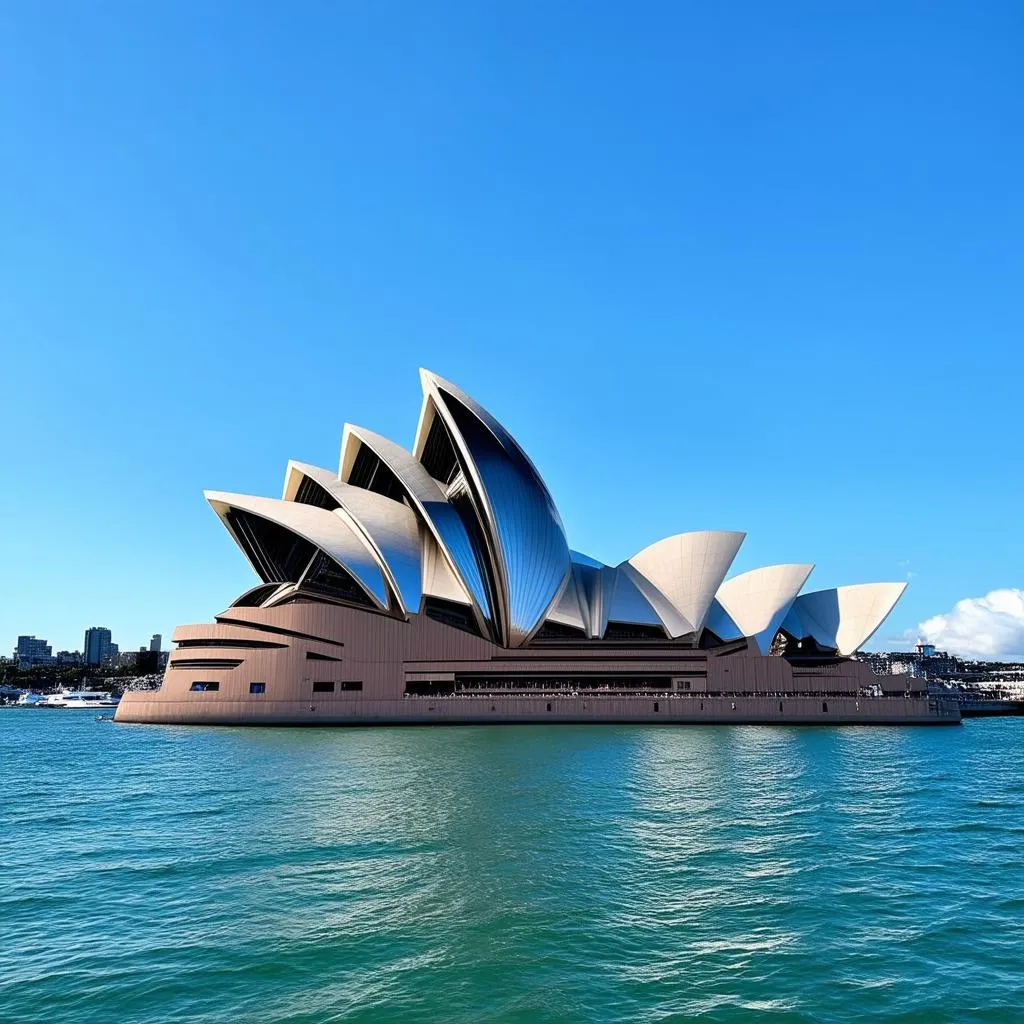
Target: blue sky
{"points": [[747, 266]]}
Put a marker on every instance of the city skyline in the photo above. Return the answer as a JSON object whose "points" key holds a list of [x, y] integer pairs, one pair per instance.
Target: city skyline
{"points": [[656, 265], [97, 647]]}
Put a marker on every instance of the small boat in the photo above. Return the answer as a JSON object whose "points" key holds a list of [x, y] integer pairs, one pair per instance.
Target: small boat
{"points": [[89, 699], [79, 699]]}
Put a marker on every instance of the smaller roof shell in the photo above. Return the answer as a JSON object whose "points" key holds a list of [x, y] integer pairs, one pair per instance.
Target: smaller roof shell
{"points": [[687, 569], [843, 618], [753, 604], [388, 528], [325, 530]]}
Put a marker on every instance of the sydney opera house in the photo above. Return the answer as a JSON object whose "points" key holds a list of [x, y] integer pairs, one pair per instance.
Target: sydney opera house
{"points": [[438, 586]]}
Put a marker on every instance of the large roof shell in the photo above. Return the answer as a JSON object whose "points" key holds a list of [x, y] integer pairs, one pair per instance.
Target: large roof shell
{"points": [[527, 549]]}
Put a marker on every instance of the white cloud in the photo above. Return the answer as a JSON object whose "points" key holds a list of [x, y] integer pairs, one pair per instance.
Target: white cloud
{"points": [[980, 627]]}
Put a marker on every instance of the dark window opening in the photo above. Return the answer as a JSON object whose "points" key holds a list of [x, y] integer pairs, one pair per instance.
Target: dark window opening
{"points": [[780, 705], [257, 687], [323, 687], [439, 458], [824, 705], [804, 648], [212, 663], [280, 630], [312, 493], [549, 707], [429, 688], [255, 597], [313, 656], [559, 631], [686, 684], [709, 640], [655, 705], [238, 644], [200, 686], [633, 631], [351, 684], [278, 555], [370, 473], [537, 685], [327, 577], [459, 616]]}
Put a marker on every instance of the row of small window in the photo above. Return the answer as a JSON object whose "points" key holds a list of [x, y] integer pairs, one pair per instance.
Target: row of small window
{"points": [[200, 686]]}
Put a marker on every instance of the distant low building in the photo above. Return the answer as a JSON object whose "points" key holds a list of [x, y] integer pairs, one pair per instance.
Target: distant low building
{"points": [[127, 659], [924, 662], [68, 658]]}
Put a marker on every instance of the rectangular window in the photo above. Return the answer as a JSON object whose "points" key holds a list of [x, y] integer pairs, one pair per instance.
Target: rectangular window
{"points": [[323, 687], [351, 684], [200, 687], [257, 687]]}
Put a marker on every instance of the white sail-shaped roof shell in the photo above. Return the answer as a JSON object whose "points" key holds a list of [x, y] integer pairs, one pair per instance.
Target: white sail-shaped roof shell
{"points": [[754, 604], [426, 496], [527, 550], [843, 618], [686, 570], [389, 528], [321, 528]]}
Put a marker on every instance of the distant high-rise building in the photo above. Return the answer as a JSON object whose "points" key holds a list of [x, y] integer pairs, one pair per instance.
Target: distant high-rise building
{"points": [[97, 648], [154, 642], [31, 651]]}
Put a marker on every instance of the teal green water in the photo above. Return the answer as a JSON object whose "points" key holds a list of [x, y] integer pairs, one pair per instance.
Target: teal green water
{"points": [[657, 874]]}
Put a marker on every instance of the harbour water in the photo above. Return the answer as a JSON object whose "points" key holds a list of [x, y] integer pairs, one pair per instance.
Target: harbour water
{"points": [[492, 874]]}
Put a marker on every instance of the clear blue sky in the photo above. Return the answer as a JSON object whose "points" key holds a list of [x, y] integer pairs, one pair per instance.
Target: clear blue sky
{"points": [[744, 265]]}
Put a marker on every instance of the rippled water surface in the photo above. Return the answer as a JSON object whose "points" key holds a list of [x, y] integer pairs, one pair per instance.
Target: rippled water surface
{"points": [[570, 873]]}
